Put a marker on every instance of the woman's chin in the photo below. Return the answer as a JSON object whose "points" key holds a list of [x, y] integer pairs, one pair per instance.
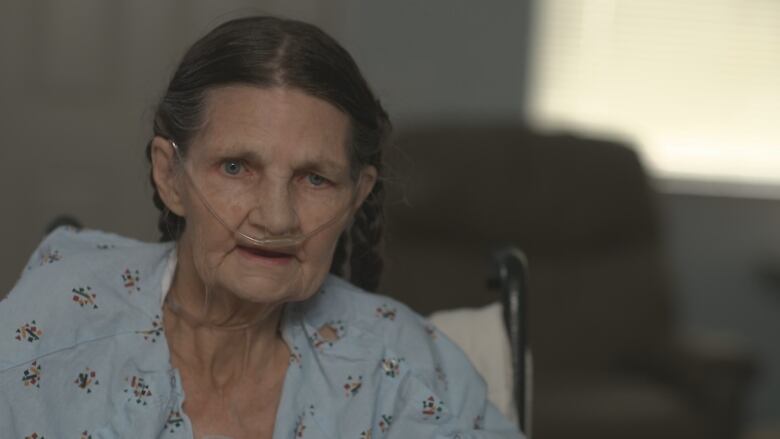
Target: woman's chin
{"points": [[267, 287]]}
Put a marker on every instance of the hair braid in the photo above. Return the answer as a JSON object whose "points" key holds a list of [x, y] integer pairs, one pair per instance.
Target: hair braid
{"points": [[340, 255], [366, 235]]}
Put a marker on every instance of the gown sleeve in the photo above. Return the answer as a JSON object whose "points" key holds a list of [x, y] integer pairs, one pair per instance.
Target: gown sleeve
{"points": [[443, 395]]}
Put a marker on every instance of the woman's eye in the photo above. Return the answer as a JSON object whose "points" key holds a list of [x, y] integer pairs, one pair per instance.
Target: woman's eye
{"points": [[316, 180], [232, 167]]}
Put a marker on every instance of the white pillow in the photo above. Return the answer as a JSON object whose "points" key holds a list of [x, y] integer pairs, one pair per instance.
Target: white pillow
{"points": [[481, 333]]}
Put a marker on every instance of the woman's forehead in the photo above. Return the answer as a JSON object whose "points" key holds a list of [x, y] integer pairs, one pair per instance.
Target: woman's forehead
{"points": [[273, 123]]}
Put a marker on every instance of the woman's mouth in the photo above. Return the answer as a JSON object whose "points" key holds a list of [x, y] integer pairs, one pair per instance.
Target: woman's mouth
{"points": [[276, 257]]}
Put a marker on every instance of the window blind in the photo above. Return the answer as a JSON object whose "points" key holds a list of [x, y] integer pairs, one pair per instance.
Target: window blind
{"points": [[694, 84]]}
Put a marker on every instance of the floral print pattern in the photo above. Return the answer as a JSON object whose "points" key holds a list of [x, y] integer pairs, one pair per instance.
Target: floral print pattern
{"points": [[131, 280], [391, 366], [29, 332], [430, 330], [300, 421], [156, 330], [386, 312], [300, 426], [431, 408], [49, 256], [85, 380], [353, 385], [295, 356], [137, 390], [328, 334], [175, 421], [32, 375], [385, 422], [85, 297]]}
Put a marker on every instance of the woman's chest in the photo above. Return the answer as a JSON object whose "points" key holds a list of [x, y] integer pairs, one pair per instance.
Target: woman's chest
{"points": [[247, 412]]}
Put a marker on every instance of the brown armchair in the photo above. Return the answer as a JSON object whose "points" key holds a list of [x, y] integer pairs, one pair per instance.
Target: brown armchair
{"points": [[609, 362]]}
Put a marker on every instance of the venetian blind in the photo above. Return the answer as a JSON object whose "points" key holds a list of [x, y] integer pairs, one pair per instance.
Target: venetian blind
{"points": [[695, 84]]}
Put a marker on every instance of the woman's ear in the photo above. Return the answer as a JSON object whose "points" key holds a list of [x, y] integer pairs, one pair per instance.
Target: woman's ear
{"points": [[366, 182], [165, 175]]}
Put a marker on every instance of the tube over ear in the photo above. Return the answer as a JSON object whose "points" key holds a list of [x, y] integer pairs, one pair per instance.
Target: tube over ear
{"points": [[164, 174]]}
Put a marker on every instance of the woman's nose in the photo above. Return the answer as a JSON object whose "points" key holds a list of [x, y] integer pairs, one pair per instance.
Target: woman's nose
{"points": [[273, 210]]}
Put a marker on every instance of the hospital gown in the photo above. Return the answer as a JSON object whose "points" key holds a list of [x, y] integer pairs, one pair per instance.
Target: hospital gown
{"points": [[83, 354]]}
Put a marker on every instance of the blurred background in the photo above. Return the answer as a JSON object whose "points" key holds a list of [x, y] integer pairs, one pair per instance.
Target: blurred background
{"points": [[688, 86]]}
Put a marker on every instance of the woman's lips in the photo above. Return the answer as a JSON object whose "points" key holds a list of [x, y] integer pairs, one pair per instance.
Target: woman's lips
{"points": [[265, 255]]}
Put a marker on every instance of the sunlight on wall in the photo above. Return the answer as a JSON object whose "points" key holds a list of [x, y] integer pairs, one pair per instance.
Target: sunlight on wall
{"points": [[693, 83]]}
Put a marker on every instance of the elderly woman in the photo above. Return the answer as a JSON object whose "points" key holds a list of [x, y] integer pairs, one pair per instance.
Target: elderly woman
{"points": [[266, 161]]}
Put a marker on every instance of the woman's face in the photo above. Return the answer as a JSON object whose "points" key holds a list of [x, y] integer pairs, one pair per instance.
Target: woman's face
{"points": [[269, 162]]}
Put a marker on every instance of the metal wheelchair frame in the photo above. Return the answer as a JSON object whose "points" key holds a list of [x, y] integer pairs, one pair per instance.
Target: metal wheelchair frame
{"points": [[510, 275]]}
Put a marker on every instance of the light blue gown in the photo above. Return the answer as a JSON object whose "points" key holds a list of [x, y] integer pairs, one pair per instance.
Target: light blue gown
{"points": [[83, 354]]}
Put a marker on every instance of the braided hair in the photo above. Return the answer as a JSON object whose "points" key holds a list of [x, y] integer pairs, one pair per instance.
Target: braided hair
{"points": [[273, 52]]}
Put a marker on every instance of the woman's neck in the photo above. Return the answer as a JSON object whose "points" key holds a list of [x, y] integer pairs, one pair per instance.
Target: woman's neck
{"points": [[218, 335], [221, 353], [233, 377]]}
